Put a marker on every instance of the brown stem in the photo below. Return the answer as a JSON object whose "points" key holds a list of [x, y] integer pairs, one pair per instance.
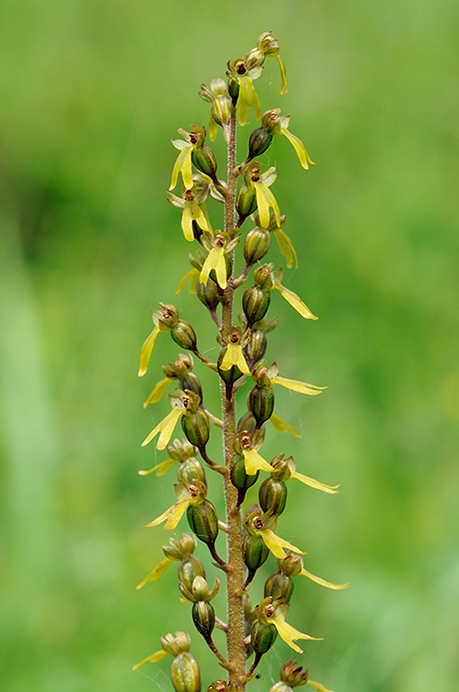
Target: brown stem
{"points": [[236, 624]]}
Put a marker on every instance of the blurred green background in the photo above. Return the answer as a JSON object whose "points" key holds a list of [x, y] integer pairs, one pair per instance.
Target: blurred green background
{"points": [[91, 93]]}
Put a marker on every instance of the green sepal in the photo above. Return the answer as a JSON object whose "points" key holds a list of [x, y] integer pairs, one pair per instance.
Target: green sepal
{"points": [[189, 568]]}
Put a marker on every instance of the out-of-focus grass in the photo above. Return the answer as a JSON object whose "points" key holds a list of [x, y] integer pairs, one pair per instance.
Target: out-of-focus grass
{"points": [[91, 93]]}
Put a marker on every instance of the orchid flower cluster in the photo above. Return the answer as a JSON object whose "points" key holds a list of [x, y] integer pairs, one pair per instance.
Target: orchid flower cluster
{"points": [[252, 532]]}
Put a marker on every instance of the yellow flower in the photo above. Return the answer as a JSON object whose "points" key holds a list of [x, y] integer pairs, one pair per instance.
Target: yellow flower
{"points": [[160, 469], [146, 350], [158, 391], [167, 425], [288, 633], [192, 276], [291, 297], [214, 260], [234, 356], [322, 582], [282, 426], [157, 656], [173, 514], [297, 386], [182, 164], [155, 574], [254, 462], [286, 247], [239, 72], [275, 124]]}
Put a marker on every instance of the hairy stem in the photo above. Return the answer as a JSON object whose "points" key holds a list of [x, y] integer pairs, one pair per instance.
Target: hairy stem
{"points": [[235, 634]]}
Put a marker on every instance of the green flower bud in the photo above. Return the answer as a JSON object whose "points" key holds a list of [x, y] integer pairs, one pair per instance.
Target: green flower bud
{"points": [[191, 382], [279, 586], [218, 686], [176, 645], [204, 618], [263, 277], [208, 294], [185, 673], [291, 565], [196, 427], [178, 550], [247, 423], [261, 403], [263, 637], [256, 245], [255, 552], [184, 335], [256, 348], [191, 471], [255, 303], [259, 141], [246, 201], [280, 687], [189, 568], [294, 675], [272, 495], [205, 161], [182, 366], [240, 479], [203, 521]]}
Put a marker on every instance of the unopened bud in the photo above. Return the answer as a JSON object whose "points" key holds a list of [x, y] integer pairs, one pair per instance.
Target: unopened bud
{"points": [[293, 674], [272, 496], [185, 673], [205, 161], [292, 565], [256, 244], [189, 568], [255, 304], [256, 347], [196, 427], [184, 335], [259, 142], [176, 645], [279, 586], [203, 521], [208, 293], [261, 403], [204, 618], [191, 382], [246, 201], [263, 637], [255, 552], [191, 471]]}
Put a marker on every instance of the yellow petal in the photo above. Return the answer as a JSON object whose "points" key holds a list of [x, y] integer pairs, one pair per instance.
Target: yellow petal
{"points": [[158, 391], [262, 203], [146, 350], [173, 515], [162, 468], [322, 582], [187, 222], [331, 489], [289, 633], [299, 148], [283, 71], [318, 686], [200, 217], [255, 462], [296, 386], [153, 658], [272, 203], [243, 102], [183, 166], [165, 427], [255, 101], [282, 426], [276, 545], [234, 356], [212, 128], [209, 264], [220, 267], [192, 276], [157, 572], [295, 301], [286, 247]]}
